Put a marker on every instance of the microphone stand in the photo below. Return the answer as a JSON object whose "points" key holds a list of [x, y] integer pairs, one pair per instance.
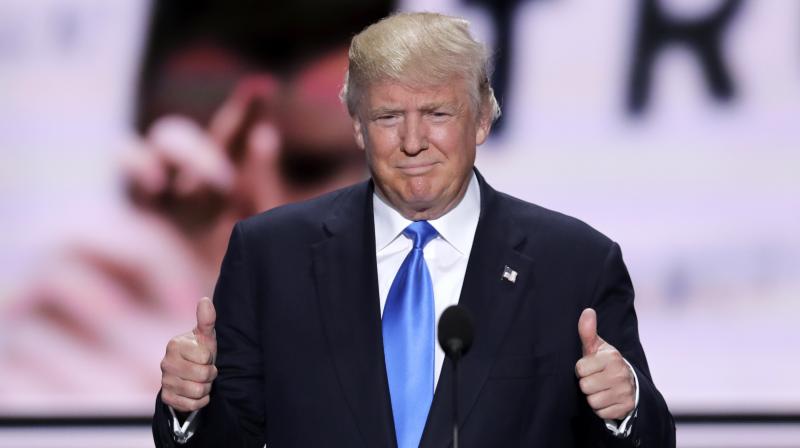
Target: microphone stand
{"points": [[455, 337], [456, 352], [455, 403]]}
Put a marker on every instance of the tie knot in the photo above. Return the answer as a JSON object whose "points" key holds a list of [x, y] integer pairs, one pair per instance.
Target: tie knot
{"points": [[421, 232]]}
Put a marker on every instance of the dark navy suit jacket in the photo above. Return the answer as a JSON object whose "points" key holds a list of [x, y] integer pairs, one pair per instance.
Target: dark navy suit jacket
{"points": [[300, 348]]}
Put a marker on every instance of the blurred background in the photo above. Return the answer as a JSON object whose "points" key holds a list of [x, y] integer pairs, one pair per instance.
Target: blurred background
{"points": [[134, 133]]}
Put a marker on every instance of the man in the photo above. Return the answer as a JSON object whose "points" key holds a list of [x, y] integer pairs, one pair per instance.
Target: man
{"points": [[323, 329]]}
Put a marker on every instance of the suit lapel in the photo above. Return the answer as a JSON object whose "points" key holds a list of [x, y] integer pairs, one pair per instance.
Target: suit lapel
{"points": [[347, 289], [492, 302]]}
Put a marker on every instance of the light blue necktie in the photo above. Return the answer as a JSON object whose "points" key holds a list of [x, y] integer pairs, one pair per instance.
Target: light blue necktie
{"points": [[408, 339]]}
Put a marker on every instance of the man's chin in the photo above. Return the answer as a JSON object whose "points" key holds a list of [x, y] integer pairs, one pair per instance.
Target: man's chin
{"points": [[425, 207]]}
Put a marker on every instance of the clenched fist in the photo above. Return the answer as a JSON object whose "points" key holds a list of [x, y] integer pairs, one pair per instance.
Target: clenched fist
{"points": [[605, 378], [187, 369]]}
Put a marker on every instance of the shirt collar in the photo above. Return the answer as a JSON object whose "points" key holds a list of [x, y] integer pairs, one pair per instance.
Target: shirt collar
{"points": [[457, 226]]}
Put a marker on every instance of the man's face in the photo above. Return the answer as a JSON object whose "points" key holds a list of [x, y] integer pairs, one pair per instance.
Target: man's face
{"points": [[420, 144]]}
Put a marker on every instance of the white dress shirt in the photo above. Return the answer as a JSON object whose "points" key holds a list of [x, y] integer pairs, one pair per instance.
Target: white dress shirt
{"points": [[446, 256]]}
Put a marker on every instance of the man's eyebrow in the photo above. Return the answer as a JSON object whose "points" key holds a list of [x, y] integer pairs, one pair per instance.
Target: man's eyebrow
{"points": [[429, 107], [385, 110]]}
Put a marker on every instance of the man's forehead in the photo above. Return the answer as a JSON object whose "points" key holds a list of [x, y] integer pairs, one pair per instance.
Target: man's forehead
{"points": [[386, 93]]}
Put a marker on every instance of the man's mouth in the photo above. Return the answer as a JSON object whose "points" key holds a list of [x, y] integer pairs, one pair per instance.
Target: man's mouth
{"points": [[416, 169]]}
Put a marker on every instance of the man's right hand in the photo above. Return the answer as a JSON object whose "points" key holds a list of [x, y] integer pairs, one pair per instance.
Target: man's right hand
{"points": [[188, 369]]}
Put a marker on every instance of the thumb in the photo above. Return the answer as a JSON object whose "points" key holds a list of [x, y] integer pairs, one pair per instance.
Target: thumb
{"points": [[206, 317], [587, 330]]}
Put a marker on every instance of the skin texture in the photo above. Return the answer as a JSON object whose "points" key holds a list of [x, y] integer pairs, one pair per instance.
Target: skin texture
{"points": [[605, 377], [420, 144], [187, 369]]}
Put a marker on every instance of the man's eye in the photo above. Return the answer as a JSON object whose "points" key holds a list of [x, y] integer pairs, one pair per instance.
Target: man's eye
{"points": [[388, 118]]}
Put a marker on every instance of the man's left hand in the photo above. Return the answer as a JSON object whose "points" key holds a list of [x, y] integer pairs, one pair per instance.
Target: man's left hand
{"points": [[605, 377]]}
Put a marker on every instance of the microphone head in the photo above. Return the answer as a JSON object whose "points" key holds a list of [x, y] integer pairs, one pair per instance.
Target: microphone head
{"points": [[455, 332]]}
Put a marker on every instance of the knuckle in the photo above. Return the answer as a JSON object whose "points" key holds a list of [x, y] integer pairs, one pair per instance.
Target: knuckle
{"points": [[196, 390], [168, 397], [167, 382], [173, 345], [176, 401], [181, 388], [187, 390], [209, 374], [193, 405], [198, 372], [186, 405], [206, 356], [580, 368], [203, 373], [619, 364], [627, 390]]}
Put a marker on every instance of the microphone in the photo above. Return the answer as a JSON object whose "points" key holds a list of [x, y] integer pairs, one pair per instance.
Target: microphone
{"points": [[455, 338], [455, 332]]}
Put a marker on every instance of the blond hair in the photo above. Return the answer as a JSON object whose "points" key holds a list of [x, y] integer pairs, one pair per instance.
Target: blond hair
{"points": [[419, 49]]}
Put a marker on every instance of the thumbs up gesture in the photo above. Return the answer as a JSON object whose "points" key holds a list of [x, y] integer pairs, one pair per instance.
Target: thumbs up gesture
{"points": [[187, 369], [605, 377]]}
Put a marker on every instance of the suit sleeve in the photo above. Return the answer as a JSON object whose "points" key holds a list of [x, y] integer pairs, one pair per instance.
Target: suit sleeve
{"points": [[162, 436], [235, 415], [653, 425]]}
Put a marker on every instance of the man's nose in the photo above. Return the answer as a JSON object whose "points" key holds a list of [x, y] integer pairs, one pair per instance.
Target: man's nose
{"points": [[415, 135]]}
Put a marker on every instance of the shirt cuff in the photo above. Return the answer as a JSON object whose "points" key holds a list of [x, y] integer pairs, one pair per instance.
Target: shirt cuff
{"points": [[623, 428], [182, 433]]}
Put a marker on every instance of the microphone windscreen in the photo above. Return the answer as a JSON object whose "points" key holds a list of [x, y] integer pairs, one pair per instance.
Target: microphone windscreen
{"points": [[455, 331]]}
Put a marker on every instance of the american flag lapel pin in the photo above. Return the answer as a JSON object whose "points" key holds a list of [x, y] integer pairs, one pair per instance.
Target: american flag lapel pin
{"points": [[509, 274]]}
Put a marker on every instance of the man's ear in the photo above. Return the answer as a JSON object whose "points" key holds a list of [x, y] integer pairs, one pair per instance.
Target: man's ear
{"points": [[358, 133], [483, 128]]}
